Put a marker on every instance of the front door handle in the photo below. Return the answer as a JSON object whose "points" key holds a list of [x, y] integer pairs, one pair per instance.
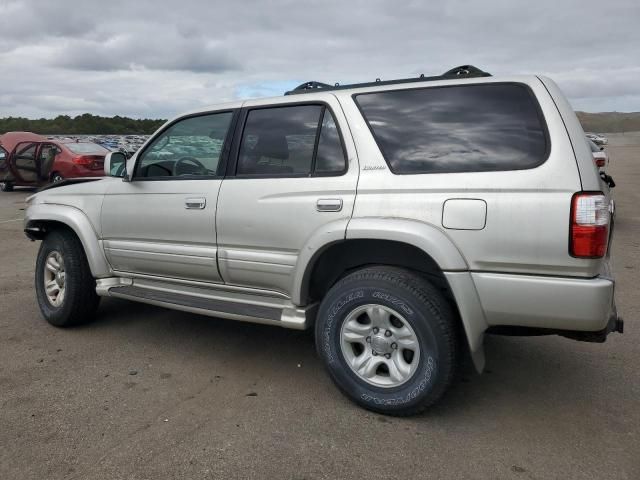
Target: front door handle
{"points": [[195, 203], [329, 205]]}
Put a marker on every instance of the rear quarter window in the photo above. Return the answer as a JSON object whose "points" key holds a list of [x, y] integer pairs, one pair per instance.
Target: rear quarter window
{"points": [[462, 128]]}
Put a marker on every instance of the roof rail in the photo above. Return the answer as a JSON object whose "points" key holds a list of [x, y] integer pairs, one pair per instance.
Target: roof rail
{"points": [[463, 71]]}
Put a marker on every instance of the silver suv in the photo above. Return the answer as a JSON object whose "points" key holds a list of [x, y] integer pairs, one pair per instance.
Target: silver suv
{"points": [[402, 220]]}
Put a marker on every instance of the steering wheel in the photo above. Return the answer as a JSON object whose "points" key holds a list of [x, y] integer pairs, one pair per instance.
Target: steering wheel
{"points": [[195, 161]]}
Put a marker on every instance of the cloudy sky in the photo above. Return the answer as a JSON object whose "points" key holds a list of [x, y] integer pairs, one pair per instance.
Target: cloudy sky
{"points": [[145, 58]]}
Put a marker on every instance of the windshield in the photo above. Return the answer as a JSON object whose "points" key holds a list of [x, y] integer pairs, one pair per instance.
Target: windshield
{"points": [[86, 147], [594, 147]]}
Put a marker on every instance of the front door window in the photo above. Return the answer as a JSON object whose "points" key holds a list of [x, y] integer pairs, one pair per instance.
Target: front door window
{"points": [[190, 148]]}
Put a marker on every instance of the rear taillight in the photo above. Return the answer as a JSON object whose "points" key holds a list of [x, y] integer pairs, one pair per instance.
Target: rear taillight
{"points": [[600, 162], [84, 161], [589, 231]]}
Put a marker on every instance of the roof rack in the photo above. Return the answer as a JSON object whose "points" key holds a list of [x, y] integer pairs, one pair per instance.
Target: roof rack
{"points": [[463, 71]]}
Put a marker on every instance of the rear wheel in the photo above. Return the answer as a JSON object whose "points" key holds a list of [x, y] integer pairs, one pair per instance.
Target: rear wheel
{"points": [[65, 288], [6, 186], [388, 340]]}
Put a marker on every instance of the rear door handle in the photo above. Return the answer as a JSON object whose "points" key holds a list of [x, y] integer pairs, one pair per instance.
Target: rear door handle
{"points": [[195, 203], [329, 205]]}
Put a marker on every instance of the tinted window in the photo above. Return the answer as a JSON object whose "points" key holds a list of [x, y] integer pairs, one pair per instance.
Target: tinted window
{"points": [[279, 141], [457, 129], [330, 155], [189, 148]]}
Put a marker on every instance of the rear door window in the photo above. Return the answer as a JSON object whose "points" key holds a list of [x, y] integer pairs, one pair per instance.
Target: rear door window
{"points": [[279, 141], [463, 128], [330, 156], [299, 140]]}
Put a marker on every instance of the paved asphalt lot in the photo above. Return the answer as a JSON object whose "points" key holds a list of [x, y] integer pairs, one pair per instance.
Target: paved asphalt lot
{"points": [[150, 393]]}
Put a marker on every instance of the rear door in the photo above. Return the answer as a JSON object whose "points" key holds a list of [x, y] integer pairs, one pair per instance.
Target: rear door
{"points": [[46, 156], [291, 180]]}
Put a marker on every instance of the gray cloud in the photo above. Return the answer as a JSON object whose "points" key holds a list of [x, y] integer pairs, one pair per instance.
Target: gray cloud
{"points": [[127, 53], [156, 58]]}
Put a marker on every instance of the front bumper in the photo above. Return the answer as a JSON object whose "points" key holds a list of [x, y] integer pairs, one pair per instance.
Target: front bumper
{"points": [[549, 303]]}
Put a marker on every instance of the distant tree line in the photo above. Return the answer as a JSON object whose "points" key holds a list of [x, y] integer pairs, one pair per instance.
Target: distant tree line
{"points": [[94, 124], [85, 123]]}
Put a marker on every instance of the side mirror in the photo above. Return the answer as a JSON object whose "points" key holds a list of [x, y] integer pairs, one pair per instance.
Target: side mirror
{"points": [[115, 165]]}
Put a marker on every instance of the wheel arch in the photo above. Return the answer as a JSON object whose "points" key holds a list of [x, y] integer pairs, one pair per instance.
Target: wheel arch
{"points": [[429, 246], [41, 219], [398, 243]]}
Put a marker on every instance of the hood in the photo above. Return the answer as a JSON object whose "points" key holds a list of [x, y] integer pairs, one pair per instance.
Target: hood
{"points": [[69, 192]]}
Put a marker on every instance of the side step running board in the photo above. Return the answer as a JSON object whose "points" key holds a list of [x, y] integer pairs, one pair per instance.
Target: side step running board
{"points": [[284, 316]]}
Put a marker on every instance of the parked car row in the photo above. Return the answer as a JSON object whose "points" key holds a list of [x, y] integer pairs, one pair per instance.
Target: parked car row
{"points": [[127, 144], [598, 138]]}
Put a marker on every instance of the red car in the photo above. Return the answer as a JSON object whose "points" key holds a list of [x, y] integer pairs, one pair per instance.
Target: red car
{"points": [[31, 160]]}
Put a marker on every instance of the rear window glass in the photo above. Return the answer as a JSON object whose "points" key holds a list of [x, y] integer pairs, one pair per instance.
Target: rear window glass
{"points": [[86, 147], [469, 128]]}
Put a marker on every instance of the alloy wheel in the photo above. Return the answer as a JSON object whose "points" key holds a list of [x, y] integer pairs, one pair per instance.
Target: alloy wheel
{"points": [[54, 278], [379, 345]]}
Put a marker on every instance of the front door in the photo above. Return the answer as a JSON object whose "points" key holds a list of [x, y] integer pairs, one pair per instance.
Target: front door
{"points": [[291, 182], [162, 222], [25, 163]]}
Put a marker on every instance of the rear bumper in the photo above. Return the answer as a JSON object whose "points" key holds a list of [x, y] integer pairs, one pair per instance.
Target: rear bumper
{"points": [[553, 303]]}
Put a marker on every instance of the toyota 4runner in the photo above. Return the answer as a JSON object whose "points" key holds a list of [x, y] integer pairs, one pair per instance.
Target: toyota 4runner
{"points": [[402, 220]]}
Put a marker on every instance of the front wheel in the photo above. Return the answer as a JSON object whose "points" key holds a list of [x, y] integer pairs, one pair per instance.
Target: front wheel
{"points": [[6, 187], [65, 288], [388, 340]]}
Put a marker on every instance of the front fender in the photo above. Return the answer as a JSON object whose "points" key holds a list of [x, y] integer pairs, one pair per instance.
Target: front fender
{"points": [[38, 215]]}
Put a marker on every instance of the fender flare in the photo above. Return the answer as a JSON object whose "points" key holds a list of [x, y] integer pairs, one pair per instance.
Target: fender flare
{"points": [[428, 238], [433, 241], [75, 219]]}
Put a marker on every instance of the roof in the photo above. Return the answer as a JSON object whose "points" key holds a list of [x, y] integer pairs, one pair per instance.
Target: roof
{"points": [[10, 139]]}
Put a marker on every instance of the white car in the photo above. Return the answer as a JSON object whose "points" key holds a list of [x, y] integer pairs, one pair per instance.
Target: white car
{"points": [[598, 139], [600, 157]]}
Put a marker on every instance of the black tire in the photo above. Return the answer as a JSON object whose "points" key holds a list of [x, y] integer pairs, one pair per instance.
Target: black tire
{"points": [[427, 312], [56, 177], [80, 299], [6, 187]]}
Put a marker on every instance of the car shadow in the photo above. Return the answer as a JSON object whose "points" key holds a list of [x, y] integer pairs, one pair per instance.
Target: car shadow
{"points": [[521, 372]]}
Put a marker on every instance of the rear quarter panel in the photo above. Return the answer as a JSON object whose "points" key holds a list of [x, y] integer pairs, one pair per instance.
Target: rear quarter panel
{"points": [[527, 211]]}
